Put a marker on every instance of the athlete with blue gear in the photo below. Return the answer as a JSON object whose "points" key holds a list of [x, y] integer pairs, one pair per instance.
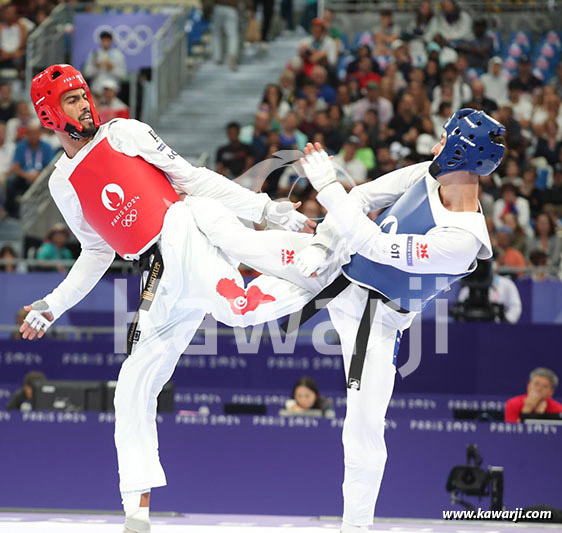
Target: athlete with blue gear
{"points": [[430, 234]]}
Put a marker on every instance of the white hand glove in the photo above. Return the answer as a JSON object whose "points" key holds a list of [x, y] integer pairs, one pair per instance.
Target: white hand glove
{"points": [[284, 214], [319, 170], [311, 259], [36, 319]]}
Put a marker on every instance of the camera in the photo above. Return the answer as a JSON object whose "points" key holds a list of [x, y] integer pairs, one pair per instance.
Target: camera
{"points": [[472, 480], [477, 307]]}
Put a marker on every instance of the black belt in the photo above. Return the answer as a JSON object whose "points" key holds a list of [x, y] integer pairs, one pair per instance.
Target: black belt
{"points": [[328, 294], [141, 265]]}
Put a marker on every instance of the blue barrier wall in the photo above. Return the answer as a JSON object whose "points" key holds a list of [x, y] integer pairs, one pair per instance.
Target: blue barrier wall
{"points": [[487, 359], [267, 465]]}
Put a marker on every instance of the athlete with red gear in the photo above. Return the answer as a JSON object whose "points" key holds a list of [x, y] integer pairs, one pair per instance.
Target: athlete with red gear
{"points": [[118, 186]]}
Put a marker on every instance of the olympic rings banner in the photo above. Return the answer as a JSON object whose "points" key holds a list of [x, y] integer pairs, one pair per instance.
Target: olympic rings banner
{"points": [[132, 35]]}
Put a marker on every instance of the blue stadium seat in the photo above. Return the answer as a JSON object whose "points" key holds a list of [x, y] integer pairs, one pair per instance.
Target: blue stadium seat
{"points": [[363, 37], [524, 39]]}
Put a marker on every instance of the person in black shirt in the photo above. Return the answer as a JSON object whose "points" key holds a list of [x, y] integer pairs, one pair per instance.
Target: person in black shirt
{"points": [[7, 105], [479, 50], [234, 158], [525, 81], [25, 394], [554, 194]]}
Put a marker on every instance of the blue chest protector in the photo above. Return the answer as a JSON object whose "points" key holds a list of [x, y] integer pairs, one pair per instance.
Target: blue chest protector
{"points": [[411, 214]]}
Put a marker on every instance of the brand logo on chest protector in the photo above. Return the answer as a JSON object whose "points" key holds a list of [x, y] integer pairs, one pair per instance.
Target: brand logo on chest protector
{"points": [[112, 197]]}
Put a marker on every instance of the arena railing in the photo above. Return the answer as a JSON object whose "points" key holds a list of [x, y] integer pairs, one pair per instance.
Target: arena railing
{"points": [[48, 44]]}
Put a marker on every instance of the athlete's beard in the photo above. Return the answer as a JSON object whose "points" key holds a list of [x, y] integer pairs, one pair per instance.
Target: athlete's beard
{"points": [[88, 131]]}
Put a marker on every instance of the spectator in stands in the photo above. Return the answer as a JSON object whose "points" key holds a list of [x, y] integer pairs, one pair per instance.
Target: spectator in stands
{"points": [[441, 116], [290, 136], [13, 38], [110, 106], [556, 81], [512, 172], [519, 236], [332, 139], [273, 101], [506, 254], [427, 138], [504, 292], [541, 270], [256, 134], [495, 81], [343, 99], [461, 91], [22, 398], [351, 166], [326, 92], [365, 73], [452, 24], [546, 240], [7, 149], [364, 50], [234, 158], [288, 87], [8, 254], [319, 48], [487, 202], [373, 100], [54, 248], [384, 33], [528, 190], [513, 134], [267, 15], [538, 400], [364, 152], [402, 58], [355, 91], [226, 20], [374, 130], [306, 397], [16, 126], [478, 49], [305, 116], [405, 126], [337, 119], [548, 145], [422, 105], [424, 13], [311, 93], [522, 107], [511, 203], [385, 161], [554, 194], [32, 155], [104, 63], [7, 104], [526, 81], [432, 76], [549, 110], [479, 100]]}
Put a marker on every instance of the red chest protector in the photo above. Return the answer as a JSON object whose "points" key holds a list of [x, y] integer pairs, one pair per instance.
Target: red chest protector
{"points": [[123, 198]]}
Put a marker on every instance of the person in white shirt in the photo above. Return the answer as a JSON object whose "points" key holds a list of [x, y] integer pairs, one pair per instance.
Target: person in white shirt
{"points": [[502, 291], [7, 149], [350, 170], [495, 81], [105, 63], [118, 187], [511, 203], [319, 48], [453, 24]]}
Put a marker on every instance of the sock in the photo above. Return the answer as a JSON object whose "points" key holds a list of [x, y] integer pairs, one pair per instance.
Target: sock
{"points": [[131, 503], [141, 514]]}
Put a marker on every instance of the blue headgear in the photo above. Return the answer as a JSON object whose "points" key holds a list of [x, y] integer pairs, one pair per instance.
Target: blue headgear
{"points": [[469, 146]]}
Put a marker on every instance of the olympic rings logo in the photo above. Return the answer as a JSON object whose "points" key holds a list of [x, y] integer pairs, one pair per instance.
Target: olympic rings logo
{"points": [[131, 41], [129, 219]]}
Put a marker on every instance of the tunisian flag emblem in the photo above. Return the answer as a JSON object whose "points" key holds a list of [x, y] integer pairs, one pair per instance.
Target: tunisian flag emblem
{"points": [[241, 301]]}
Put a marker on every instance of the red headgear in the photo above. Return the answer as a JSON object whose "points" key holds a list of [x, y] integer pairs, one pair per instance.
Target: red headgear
{"points": [[46, 91]]}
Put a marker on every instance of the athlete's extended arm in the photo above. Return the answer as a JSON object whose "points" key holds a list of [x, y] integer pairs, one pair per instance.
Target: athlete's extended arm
{"points": [[94, 260], [136, 138], [442, 250]]}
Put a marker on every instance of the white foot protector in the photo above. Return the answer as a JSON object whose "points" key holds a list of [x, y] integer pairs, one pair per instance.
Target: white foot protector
{"points": [[136, 525]]}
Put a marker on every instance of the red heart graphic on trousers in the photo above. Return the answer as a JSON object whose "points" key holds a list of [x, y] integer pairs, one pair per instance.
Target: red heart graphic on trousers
{"points": [[241, 301]]}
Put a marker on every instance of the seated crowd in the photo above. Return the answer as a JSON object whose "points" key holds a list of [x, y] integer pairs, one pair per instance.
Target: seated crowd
{"points": [[383, 107]]}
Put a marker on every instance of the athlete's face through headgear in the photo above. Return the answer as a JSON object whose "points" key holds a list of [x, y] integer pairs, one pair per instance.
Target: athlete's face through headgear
{"points": [[76, 106], [63, 102], [470, 143]]}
